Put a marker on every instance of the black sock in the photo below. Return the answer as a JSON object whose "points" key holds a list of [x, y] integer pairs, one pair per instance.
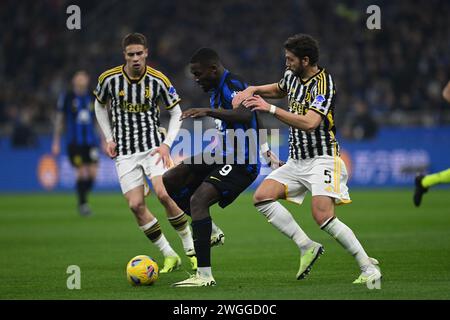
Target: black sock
{"points": [[89, 184], [201, 230], [82, 191]]}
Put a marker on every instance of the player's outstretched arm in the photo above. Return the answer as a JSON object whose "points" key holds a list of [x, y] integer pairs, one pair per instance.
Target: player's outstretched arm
{"points": [[236, 115], [101, 113], [269, 91], [308, 122], [174, 127], [271, 158], [99, 133], [240, 114]]}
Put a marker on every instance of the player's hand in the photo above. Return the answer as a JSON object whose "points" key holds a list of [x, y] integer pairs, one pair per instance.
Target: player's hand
{"points": [[272, 160], [164, 155], [111, 149], [242, 95], [56, 148], [194, 113], [256, 103]]}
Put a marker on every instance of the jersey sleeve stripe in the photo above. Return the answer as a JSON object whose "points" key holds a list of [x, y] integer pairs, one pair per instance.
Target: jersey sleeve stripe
{"points": [[321, 85], [279, 87], [324, 108], [318, 111], [109, 72], [173, 104], [159, 75], [97, 97], [330, 93], [164, 97], [325, 82], [101, 91]]}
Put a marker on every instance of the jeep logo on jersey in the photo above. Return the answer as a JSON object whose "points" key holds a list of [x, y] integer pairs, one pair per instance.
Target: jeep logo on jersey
{"points": [[139, 107]]}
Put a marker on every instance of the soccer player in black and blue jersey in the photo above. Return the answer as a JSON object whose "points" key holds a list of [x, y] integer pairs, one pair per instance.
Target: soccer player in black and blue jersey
{"points": [[196, 185], [75, 110]]}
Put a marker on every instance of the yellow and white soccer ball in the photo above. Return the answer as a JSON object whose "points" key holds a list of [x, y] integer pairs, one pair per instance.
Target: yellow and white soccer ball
{"points": [[142, 271]]}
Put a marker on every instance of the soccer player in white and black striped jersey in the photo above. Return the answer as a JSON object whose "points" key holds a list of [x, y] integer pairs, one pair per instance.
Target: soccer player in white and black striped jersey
{"points": [[134, 91], [314, 163]]}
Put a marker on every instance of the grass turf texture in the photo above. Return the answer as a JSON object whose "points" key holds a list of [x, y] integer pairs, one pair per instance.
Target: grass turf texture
{"points": [[41, 235]]}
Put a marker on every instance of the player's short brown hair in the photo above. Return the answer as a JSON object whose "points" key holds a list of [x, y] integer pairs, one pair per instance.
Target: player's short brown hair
{"points": [[134, 38], [303, 45]]}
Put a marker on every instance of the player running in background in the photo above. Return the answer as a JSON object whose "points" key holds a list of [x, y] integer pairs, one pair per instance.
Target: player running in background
{"points": [[314, 163], [424, 182], [75, 111], [134, 92], [196, 185]]}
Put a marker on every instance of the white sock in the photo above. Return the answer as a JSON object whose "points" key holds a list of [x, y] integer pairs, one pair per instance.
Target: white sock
{"points": [[184, 234], [164, 246], [161, 243], [281, 219], [186, 238], [204, 272], [345, 236], [147, 226], [214, 228]]}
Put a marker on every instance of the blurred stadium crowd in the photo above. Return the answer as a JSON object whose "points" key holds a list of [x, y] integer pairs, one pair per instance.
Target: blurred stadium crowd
{"points": [[393, 76]]}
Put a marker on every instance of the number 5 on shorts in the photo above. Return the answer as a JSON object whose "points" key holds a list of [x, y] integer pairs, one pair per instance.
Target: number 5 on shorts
{"points": [[327, 173]]}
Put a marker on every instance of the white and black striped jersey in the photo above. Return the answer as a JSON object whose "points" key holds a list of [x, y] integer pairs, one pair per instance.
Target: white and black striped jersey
{"points": [[318, 93], [135, 107]]}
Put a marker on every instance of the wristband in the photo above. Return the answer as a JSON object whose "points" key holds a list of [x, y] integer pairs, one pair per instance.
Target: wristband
{"points": [[272, 109], [264, 148]]}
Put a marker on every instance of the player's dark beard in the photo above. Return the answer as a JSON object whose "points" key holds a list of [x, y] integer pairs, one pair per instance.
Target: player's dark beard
{"points": [[299, 72]]}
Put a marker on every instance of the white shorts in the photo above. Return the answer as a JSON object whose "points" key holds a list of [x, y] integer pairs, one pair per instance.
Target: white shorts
{"points": [[322, 175], [131, 169]]}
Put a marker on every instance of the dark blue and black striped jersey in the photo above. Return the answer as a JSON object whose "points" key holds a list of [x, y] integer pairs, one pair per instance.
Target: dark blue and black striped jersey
{"points": [[240, 143], [79, 118]]}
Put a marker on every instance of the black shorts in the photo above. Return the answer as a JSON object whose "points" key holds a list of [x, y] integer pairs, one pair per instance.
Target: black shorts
{"points": [[229, 179], [82, 154]]}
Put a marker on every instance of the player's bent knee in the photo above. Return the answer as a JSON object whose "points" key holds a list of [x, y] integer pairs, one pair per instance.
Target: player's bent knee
{"points": [[321, 214], [320, 221], [199, 205], [269, 190], [137, 206], [260, 197], [196, 201]]}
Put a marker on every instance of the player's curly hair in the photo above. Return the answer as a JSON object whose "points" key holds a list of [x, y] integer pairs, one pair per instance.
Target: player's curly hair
{"points": [[303, 45], [134, 38]]}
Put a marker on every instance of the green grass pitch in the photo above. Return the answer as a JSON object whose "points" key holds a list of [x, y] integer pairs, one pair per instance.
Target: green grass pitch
{"points": [[41, 235]]}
